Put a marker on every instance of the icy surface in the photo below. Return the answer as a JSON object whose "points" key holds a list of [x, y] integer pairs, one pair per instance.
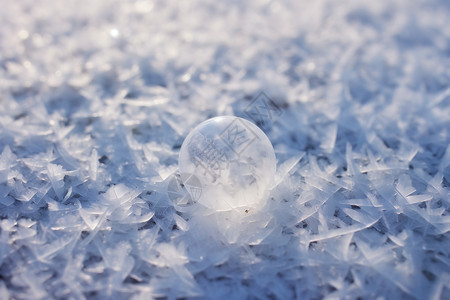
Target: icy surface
{"points": [[96, 98]]}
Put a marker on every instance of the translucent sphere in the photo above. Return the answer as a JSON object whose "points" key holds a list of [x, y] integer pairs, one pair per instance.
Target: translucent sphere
{"points": [[234, 161]]}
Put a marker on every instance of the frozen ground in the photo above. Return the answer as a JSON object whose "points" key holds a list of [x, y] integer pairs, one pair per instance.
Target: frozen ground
{"points": [[97, 96]]}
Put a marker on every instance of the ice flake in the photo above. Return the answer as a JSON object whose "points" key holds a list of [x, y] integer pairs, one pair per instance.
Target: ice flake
{"points": [[169, 255], [92, 217], [22, 193], [329, 138], [7, 162], [116, 257], [25, 230], [4, 294], [5, 198], [181, 223], [68, 194], [407, 150], [361, 215], [7, 158], [56, 175], [404, 186], [146, 242], [341, 231], [412, 199], [442, 286], [120, 194], [287, 166], [47, 252], [34, 284], [93, 165]]}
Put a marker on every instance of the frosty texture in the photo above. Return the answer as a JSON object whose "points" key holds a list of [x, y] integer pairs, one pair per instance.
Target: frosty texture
{"points": [[96, 98], [233, 159]]}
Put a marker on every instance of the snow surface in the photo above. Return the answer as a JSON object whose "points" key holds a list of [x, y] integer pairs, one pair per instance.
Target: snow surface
{"points": [[96, 98]]}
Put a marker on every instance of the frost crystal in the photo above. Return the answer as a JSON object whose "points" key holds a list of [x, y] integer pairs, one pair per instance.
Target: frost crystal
{"points": [[97, 99]]}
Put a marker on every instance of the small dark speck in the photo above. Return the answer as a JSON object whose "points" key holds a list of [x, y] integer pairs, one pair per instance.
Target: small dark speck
{"points": [[136, 131], [131, 280], [293, 138], [20, 116], [104, 159], [246, 211], [430, 276], [331, 288], [260, 123], [282, 104]]}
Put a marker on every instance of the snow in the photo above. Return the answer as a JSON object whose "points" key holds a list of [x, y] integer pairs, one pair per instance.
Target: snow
{"points": [[97, 97]]}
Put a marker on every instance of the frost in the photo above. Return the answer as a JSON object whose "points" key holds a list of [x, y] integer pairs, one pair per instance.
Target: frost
{"points": [[7, 162], [97, 99], [93, 165], [56, 175]]}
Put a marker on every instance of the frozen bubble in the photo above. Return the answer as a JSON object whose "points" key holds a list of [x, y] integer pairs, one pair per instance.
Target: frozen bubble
{"points": [[180, 184], [234, 161]]}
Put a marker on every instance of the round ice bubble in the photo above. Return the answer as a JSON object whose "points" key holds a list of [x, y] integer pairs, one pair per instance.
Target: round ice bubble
{"points": [[234, 161]]}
